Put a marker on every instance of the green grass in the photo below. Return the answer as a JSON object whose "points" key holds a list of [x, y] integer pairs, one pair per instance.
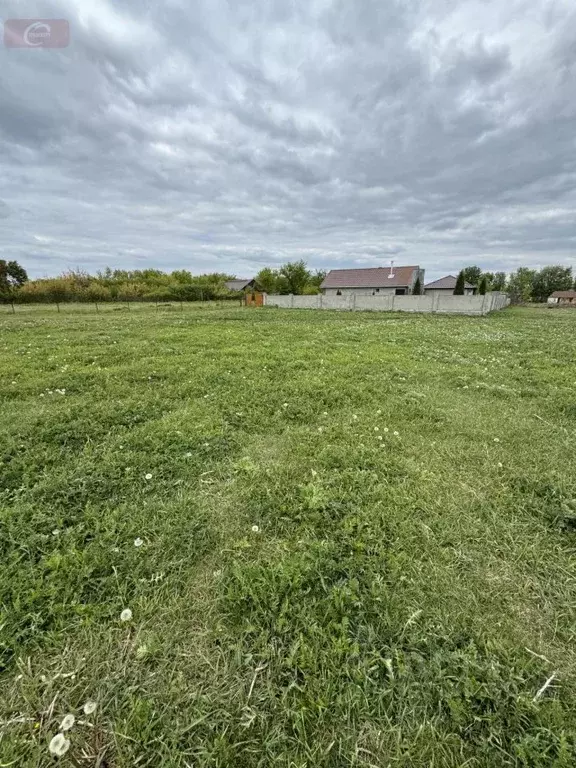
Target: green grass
{"points": [[405, 595]]}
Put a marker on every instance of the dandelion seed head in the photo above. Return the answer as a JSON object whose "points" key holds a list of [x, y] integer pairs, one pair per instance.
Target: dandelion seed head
{"points": [[255, 529], [59, 745], [67, 723], [148, 476], [126, 615], [138, 542], [90, 707], [496, 439], [396, 434]]}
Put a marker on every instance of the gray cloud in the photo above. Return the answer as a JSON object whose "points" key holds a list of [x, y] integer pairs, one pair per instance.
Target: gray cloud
{"points": [[221, 135]]}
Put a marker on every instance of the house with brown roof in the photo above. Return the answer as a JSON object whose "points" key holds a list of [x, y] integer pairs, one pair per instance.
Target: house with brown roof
{"points": [[445, 287], [375, 281], [562, 299]]}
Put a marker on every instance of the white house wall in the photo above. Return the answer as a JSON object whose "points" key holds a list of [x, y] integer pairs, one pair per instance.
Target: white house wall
{"points": [[359, 291]]}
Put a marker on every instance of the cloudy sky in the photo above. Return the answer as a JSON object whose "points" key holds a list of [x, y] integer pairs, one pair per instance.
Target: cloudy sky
{"points": [[226, 135]]}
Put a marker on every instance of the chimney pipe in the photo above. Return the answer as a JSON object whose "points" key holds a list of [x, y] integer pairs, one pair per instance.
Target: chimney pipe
{"points": [[391, 269]]}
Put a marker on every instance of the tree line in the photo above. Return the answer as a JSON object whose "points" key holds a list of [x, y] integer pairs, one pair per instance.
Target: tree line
{"points": [[523, 285]]}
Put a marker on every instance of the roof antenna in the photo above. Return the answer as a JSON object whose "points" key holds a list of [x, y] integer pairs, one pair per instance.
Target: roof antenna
{"points": [[391, 269]]}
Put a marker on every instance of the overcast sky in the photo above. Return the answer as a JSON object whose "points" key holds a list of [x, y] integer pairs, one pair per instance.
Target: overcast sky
{"points": [[226, 135]]}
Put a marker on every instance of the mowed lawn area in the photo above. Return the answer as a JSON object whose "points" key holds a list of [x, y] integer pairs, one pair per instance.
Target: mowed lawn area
{"points": [[345, 539]]}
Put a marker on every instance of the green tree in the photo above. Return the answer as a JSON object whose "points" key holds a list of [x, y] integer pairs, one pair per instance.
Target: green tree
{"points": [[521, 284], [489, 277], [12, 277], [57, 291], [460, 284], [499, 281], [317, 278], [296, 275], [472, 275], [483, 287], [267, 280], [417, 287], [550, 279]]}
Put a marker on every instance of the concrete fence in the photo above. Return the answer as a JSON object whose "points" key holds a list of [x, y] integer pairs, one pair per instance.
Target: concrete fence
{"points": [[456, 305]]}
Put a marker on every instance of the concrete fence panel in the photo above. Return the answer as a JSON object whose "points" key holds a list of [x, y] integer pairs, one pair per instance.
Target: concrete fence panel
{"points": [[451, 305]]}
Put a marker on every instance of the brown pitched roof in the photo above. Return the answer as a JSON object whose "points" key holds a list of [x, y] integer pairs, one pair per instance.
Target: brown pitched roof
{"points": [[563, 295], [377, 277], [446, 282]]}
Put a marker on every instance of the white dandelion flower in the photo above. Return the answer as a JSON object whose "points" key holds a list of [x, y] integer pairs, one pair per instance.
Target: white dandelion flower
{"points": [[496, 439], [67, 723], [148, 476], [90, 707], [255, 529], [59, 745], [189, 455], [386, 429], [285, 405], [378, 412], [138, 542], [376, 429], [396, 434], [500, 465], [126, 615], [355, 417], [380, 437]]}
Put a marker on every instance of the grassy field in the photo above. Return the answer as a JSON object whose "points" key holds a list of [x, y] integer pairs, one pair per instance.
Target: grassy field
{"points": [[344, 539]]}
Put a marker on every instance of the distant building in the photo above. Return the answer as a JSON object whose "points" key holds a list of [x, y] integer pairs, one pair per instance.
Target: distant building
{"points": [[376, 281], [562, 299], [445, 287], [239, 285]]}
